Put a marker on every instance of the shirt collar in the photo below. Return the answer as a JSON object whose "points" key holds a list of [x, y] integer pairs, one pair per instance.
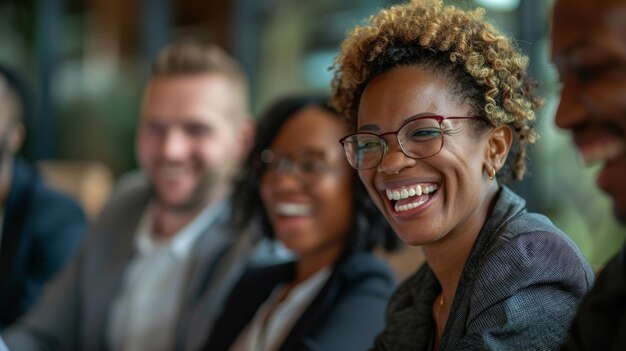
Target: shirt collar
{"points": [[181, 243]]}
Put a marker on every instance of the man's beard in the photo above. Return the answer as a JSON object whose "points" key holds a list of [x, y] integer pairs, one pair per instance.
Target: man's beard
{"points": [[199, 196]]}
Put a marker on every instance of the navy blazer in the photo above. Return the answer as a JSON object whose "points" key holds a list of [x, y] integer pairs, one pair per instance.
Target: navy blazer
{"points": [[519, 289], [42, 230], [345, 315]]}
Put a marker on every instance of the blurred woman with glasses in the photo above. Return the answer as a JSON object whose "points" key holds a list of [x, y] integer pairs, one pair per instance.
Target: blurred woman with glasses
{"points": [[298, 188], [442, 110]]}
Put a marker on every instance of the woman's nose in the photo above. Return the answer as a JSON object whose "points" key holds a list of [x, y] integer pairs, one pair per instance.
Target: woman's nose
{"points": [[394, 159]]}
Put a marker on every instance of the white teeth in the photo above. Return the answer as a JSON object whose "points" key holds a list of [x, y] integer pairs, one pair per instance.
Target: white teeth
{"points": [[603, 152], [396, 195], [410, 206], [419, 190], [293, 209], [429, 189], [405, 193]]}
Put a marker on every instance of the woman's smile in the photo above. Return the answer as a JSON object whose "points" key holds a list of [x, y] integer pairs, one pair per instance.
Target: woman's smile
{"points": [[409, 200]]}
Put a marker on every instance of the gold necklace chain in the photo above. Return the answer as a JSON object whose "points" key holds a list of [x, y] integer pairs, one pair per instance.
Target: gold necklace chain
{"points": [[440, 325]]}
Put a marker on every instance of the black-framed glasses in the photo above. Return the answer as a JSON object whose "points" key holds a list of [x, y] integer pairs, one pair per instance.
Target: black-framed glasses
{"points": [[420, 137], [307, 165]]}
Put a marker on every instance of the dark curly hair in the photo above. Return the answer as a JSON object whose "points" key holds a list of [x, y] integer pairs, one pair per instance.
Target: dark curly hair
{"points": [[369, 227], [487, 71]]}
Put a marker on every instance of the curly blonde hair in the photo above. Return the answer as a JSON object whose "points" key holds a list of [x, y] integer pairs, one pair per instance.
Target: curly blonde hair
{"points": [[486, 69]]}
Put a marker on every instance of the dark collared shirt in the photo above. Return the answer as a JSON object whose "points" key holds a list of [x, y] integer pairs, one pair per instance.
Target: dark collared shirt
{"points": [[600, 322]]}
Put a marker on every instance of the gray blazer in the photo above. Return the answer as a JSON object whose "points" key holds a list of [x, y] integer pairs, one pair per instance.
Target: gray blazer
{"points": [[73, 312], [519, 289]]}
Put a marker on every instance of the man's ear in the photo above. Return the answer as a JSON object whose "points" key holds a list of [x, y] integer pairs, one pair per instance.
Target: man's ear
{"points": [[500, 140], [16, 138]]}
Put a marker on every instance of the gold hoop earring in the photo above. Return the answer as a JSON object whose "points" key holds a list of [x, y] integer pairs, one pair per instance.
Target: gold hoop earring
{"points": [[492, 174]]}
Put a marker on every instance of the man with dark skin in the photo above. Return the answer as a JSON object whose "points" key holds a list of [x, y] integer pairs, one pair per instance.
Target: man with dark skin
{"points": [[589, 51]]}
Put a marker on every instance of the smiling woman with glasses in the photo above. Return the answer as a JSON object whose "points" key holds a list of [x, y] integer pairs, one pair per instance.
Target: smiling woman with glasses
{"points": [[442, 110], [298, 188], [419, 137]]}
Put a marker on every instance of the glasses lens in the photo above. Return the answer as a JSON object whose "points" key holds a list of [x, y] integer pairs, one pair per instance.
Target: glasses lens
{"points": [[363, 150], [306, 166], [421, 138]]}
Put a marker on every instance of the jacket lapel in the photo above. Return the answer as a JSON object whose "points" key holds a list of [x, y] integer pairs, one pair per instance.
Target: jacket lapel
{"points": [[508, 206], [313, 313], [217, 264], [110, 251]]}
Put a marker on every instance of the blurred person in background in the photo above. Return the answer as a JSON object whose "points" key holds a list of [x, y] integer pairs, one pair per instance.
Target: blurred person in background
{"points": [[443, 111], [298, 188], [41, 228], [160, 258], [589, 51]]}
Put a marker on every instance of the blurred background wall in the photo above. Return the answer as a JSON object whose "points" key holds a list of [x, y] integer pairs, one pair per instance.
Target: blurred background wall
{"points": [[86, 62]]}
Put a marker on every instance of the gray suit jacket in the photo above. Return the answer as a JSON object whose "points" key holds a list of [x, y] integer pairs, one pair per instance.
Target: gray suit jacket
{"points": [[72, 314], [519, 289]]}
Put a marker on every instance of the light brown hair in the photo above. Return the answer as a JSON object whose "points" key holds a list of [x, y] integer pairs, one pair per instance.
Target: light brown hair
{"points": [[191, 57]]}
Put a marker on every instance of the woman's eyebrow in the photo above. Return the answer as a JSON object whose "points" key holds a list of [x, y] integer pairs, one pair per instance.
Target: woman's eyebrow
{"points": [[376, 128], [369, 128], [423, 114]]}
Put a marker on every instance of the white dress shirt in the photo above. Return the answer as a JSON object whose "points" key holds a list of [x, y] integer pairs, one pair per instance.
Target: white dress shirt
{"points": [[273, 320], [144, 313]]}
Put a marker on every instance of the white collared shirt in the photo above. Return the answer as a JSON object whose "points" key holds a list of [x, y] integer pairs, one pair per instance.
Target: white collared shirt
{"points": [[274, 320], [143, 315]]}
